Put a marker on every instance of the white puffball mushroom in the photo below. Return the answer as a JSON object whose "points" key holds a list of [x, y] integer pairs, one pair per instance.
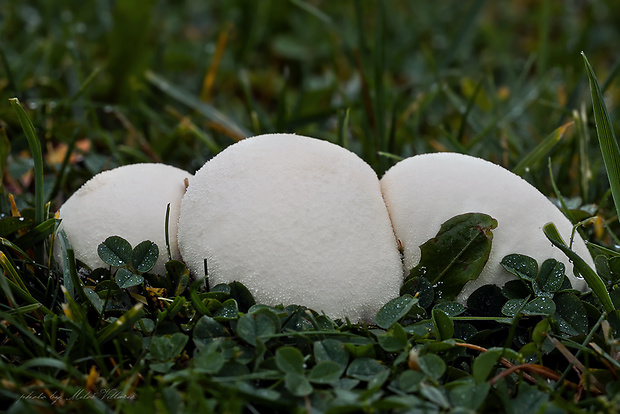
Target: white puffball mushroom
{"points": [[130, 202], [424, 191], [297, 220]]}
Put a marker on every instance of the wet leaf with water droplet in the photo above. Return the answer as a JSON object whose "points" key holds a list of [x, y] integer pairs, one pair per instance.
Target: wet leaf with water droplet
{"points": [[513, 306], [394, 310], [521, 266], [451, 308], [420, 288], [144, 256], [10, 225], [551, 275], [456, 254], [570, 314], [115, 251], [126, 279], [539, 306]]}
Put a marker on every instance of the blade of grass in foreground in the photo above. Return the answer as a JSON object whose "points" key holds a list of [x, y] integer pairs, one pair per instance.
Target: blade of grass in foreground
{"points": [[606, 136], [37, 158]]}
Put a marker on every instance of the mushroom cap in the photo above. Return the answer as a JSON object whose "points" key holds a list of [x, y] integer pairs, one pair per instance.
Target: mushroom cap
{"points": [[297, 220], [424, 191], [130, 202]]}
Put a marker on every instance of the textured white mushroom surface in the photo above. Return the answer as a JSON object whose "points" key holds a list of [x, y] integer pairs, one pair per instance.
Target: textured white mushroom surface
{"points": [[297, 220], [130, 202], [424, 191]]}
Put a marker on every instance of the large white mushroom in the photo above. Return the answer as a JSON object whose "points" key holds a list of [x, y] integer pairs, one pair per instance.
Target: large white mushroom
{"points": [[424, 191], [130, 202], [298, 221]]}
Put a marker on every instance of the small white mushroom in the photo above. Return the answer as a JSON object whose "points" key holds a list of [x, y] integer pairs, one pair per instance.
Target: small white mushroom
{"points": [[424, 191], [298, 221], [130, 202]]}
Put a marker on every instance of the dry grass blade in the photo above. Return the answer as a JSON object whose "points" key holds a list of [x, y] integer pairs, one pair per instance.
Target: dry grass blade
{"points": [[583, 371]]}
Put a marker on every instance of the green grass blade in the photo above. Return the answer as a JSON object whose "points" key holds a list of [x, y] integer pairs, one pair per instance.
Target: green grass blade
{"points": [[122, 324], [4, 283], [37, 157], [195, 103], [606, 136], [541, 150], [313, 11], [592, 279], [343, 127]]}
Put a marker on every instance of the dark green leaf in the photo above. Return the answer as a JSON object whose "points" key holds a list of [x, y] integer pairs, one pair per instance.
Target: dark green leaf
{"points": [[435, 395], [444, 327], [164, 348], [250, 327], [163, 367], [529, 400], [551, 276], [614, 267], [144, 256], [487, 300], [268, 312], [209, 359], [539, 306], [325, 372], [365, 369], [115, 251], [227, 312], [540, 331], [394, 310], [570, 314], [421, 289], [126, 279], [432, 365], [208, 329], [94, 299], [290, 360], [331, 350], [37, 235], [456, 254], [450, 308], [484, 365], [516, 289], [242, 295], [410, 380], [513, 306], [395, 339], [10, 225], [297, 384], [178, 276], [521, 266], [469, 394]]}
